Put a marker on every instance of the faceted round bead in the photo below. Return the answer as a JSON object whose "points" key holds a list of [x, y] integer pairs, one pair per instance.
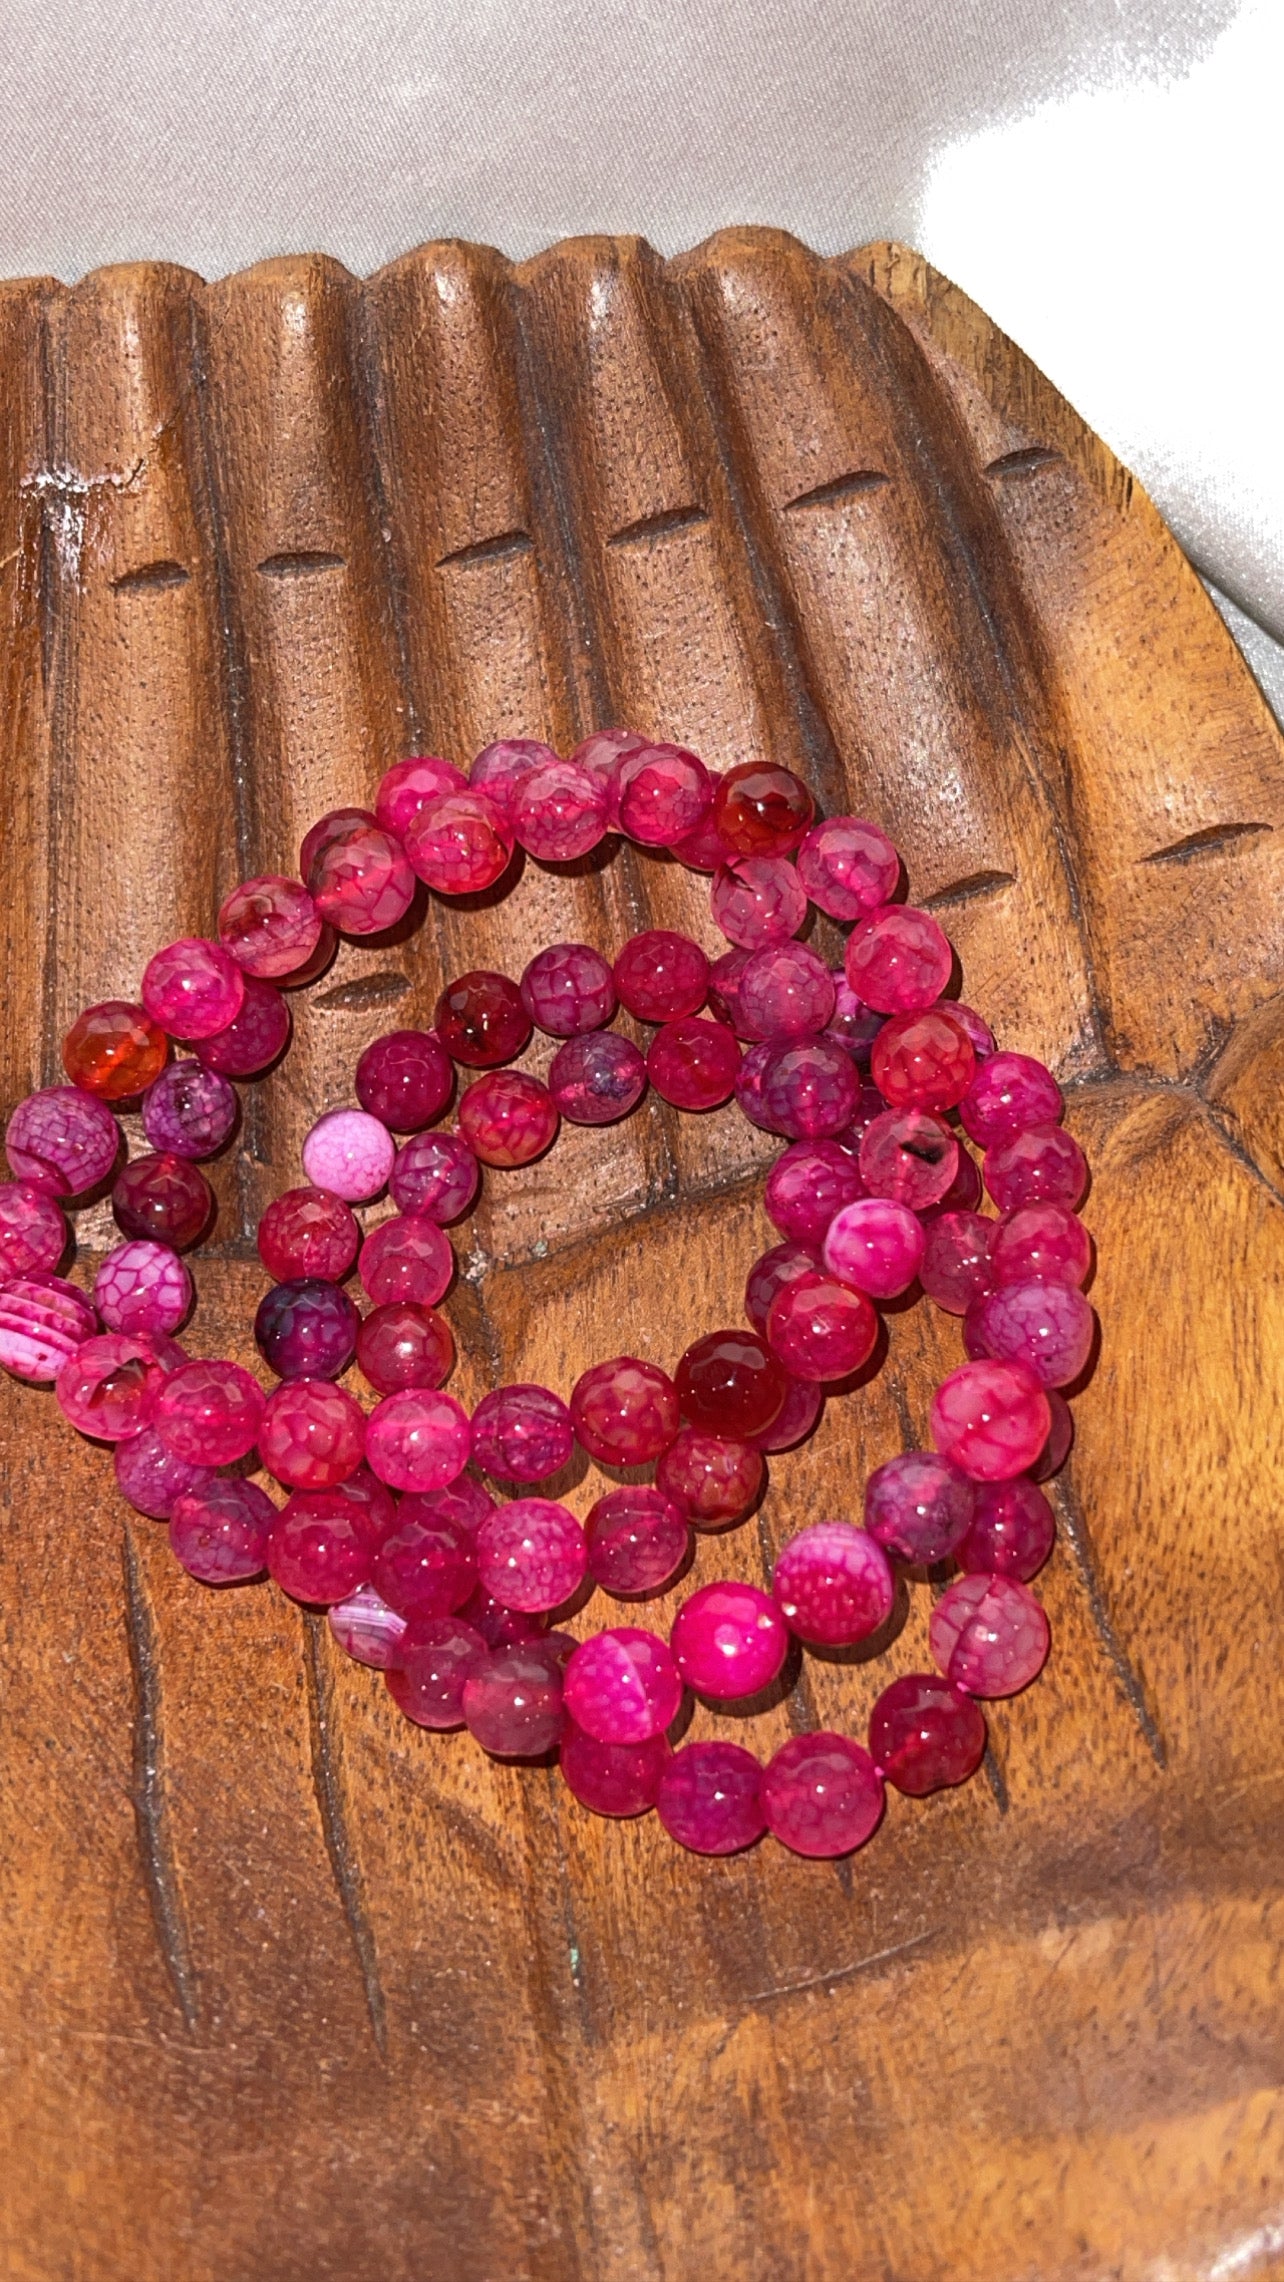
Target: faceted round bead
{"points": [[1042, 1243], [142, 1287], [977, 1028], [922, 1061], [757, 900], [404, 1344], [1044, 1165], [270, 926], [773, 1272], [405, 1079], [163, 1198], [360, 880], [709, 1798], [407, 1258], [219, 1530], [508, 1118], [107, 1388], [33, 1233], [604, 749], [1009, 1094], [807, 1185], [531, 1554], [312, 1435], [306, 1329], [919, 1506], [481, 1020], [559, 812], [874, 1245], [848, 867], [190, 1111], [418, 1440], [162, 1349], [809, 1088], [989, 1635], [1050, 1327], [910, 1157], [62, 1140], [1056, 1449], [208, 1412], [435, 1177], [253, 1042], [43, 1320], [660, 794], [729, 1640], [761, 809], [307, 1232], [327, 829], [712, 1478], [925, 1734], [193, 988], [376, 1502], [800, 1410], [821, 1795], [513, 1702], [820, 1328], [784, 991], [622, 1686], [853, 1024], [637, 1540], [730, 1383], [612, 1778], [349, 1153], [956, 1265], [522, 1433], [366, 1628], [833, 1584], [750, 1078], [693, 1063], [464, 1501], [568, 989], [459, 843], [426, 1564], [991, 1419], [898, 960], [597, 1079], [406, 789], [625, 1412], [114, 1050], [1011, 1533], [501, 769], [501, 1627], [433, 1661], [320, 1547], [150, 1477], [661, 976]]}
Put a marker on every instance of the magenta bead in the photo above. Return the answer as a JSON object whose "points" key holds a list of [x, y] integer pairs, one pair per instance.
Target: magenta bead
{"points": [[163, 1198], [463, 1501], [459, 843], [434, 1176], [807, 1185], [660, 794], [312, 1435], [406, 789], [270, 926], [502, 768], [367, 1629], [821, 1795], [612, 1778], [1056, 1449], [729, 1640], [407, 1258], [749, 1085], [513, 1701], [757, 900], [219, 1531], [376, 1502], [500, 1627], [869, 1105], [874, 1245], [802, 1406], [418, 1440], [703, 848], [809, 1088], [259, 1034], [693, 1063], [190, 1110], [991, 1419], [306, 1329], [724, 989], [1011, 1532], [898, 960], [306, 1232], [1050, 1327], [360, 879], [142, 1287], [320, 1547], [922, 1061], [405, 1079], [508, 1118], [522, 1433], [1042, 1166], [193, 988], [820, 1328], [919, 1506], [833, 1584], [559, 812], [425, 1564], [773, 1272], [33, 1233], [208, 1412], [1009, 1094], [604, 749], [568, 990], [956, 1267], [989, 1635], [637, 1540], [661, 976], [712, 1479], [350, 1154], [622, 1686], [909, 1156], [625, 1412], [925, 1734], [43, 1320], [433, 1661], [108, 1387], [150, 1477], [531, 1554], [784, 991], [1042, 1243], [597, 1079], [62, 1140], [709, 1798], [848, 868]]}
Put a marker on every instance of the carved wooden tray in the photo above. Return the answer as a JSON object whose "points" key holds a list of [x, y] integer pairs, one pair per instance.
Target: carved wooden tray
{"points": [[291, 1990]]}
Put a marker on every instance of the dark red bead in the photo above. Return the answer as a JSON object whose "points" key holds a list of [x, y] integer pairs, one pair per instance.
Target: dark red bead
{"points": [[426, 1565], [694, 1063], [924, 1734], [761, 809], [481, 1020], [405, 1344], [660, 975], [731, 1383], [308, 1232], [165, 1198], [405, 1080]]}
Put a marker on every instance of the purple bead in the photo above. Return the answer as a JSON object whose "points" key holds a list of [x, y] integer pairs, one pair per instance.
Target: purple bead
{"points": [[622, 1686], [33, 1233], [757, 900], [435, 1177], [991, 1418], [848, 867], [367, 1629], [955, 1268], [459, 843], [306, 1329], [660, 794], [783, 1265], [749, 1085], [1009, 1094], [693, 1063], [807, 1185], [405, 1079], [142, 1287], [852, 1023], [522, 1433], [359, 878], [513, 1701], [108, 1387], [874, 1245], [1011, 1532], [809, 1088], [531, 1554], [62, 1140], [919, 1506], [193, 988], [612, 1778], [1056, 1449], [661, 976], [559, 812], [43, 1320], [898, 960], [784, 991], [208, 1412], [1044, 1165], [989, 1635], [190, 1110], [625, 1412], [1043, 1243], [219, 1530], [406, 789], [270, 926], [710, 1798], [909, 1156], [833, 1584], [163, 1198], [597, 1079], [500, 769], [349, 1153], [1047, 1326], [729, 1640], [418, 1440], [151, 1478], [434, 1659], [425, 1565], [925, 1734], [568, 989], [821, 1795], [802, 1406], [637, 1540], [260, 1033]]}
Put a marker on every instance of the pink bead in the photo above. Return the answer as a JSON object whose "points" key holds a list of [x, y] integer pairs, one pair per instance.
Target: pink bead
{"points": [[1050, 1327], [349, 1153], [783, 1265], [209, 1412], [802, 1406], [407, 1259], [729, 1640], [807, 1185], [597, 1079], [923, 1061], [624, 1411], [435, 1177], [956, 1265], [190, 1111], [320, 1547], [660, 794], [463, 1500], [749, 1085], [376, 1502], [989, 1635], [1009, 1094], [193, 988], [925, 1734], [757, 900], [522, 1433], [604, 749], [43, 1320], [150, 1477], [821, 1795], [693, 1063], [1056, 1449], [142, 1287], [919, 1506], [559, 812], [434, 1659], [418, 1440], [820, 1328], [513, 1702], [1042, 1243], [622, 1686], [637, 1540], [910, 1157], [833, 1584], [407, 787], [426, 1564], [612, 1778], [991, 1419], [853, 1024], [501, 1627], [502, 768], [898, 960], [260, 1032], [1011, 1533], [108, 1387], [784, 991], [660, 975], [508, 1118], [33, 1233], [219, 1530], [459, 843], [847, 867], [568, 989], [313, 1433], [1042, 1166], [809, 1088], [712, 1479], [306, 1232], [330, 827], [405, 1079], [367, 1629], [270, 926], [710, 1798], [874, 1245], [62, 1140], [531, 1554], [977, 1028]]}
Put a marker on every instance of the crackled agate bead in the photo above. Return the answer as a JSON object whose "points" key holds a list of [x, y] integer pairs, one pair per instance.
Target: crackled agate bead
{"points": [[852, 1023], [1011, 1532], [833, 1584], [622, 1686], [989, 1635], [568, 990], [312, 1435], [1048, 1326], [405, 1079], [407, 1257], [254, 1040], [193, 988], [783, 991], [875, 1245], [62, 1140], [522, 1433], [637, 1540], [923, 1061], [660, 975], [366, 1628], [1056, 1449], [809, 1182], [426, 1563], [925, 1734], [709, 1798], [115, 1050], [142, 1286], [802, 1406], [910, 1157], [624, 1411], [531, 1554], [729, 1382], [508, 1118], [713, 1479], [500, 1626], [406, 789], [809, 1088], [762, 809], [559, 811], [604, 749], [819, 1328], [189, 1111], [693, 1063], [848, 868], [898, 960], [459, 843], [772, 1272], [308, 1232], [991, 1419], [43, 1320], [208, 1412], [150, 1477], [660, 794], [749, 1084], [108, 1387], [821, 1795], [596, 1079], [419, 1439], [404, 1344], [919, 1506], [434, 1176], [163, 1198], [956, 1267], [349, 1153], [757, 900], [729, 1640], [1009, 1094], [306, 1329], [501, 768], [433, 1660], [270, 926], [612, 1778], [513, 1702], [1043, 1165], [33, 1233], [1040, 1243], [320, 1547], [360, 879], [219, 1530], [481, 1019]]}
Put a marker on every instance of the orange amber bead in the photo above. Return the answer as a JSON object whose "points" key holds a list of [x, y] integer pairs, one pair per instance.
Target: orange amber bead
{"points": [[114, 1050]]}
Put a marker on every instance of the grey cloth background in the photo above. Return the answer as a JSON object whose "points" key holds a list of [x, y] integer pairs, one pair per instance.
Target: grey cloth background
{"points": [[1102, 175]]}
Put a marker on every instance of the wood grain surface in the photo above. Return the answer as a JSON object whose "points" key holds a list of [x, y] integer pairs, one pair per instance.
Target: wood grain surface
{"points": [[291, 1990]]}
